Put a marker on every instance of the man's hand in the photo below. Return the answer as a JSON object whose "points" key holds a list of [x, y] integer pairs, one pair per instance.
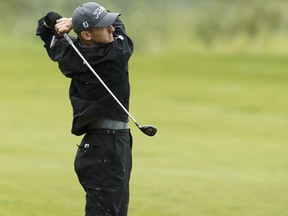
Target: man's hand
{"points": [[63, 25], [50, 19]]}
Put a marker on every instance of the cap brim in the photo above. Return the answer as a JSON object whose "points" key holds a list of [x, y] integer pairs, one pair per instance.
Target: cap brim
{"points": [[108, 20]]}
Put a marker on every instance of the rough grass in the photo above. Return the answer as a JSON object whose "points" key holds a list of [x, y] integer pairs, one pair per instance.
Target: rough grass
{"points": [[221, 149]]}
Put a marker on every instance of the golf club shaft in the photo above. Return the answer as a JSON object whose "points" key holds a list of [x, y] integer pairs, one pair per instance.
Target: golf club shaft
{"points": [[66, 36]]}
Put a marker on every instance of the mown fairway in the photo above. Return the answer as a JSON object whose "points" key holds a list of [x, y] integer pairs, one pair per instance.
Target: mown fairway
{"points": [[221, 149]]}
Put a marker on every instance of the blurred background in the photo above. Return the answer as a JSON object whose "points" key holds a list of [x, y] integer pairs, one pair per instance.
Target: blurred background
{"points": [[211, 75], [254, 25]]}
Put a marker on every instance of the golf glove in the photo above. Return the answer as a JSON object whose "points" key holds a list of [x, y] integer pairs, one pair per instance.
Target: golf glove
{"points": [[50, 19]]}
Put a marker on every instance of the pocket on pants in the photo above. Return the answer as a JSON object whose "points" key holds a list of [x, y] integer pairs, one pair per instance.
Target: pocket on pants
{"points": [[95, 155]]}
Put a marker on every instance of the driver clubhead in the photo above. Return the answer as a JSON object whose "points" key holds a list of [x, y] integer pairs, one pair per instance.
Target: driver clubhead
{"points": [[148, 130]]}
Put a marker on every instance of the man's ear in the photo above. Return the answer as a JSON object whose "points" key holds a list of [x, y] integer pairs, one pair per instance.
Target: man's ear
{"points": [[86, 35]]}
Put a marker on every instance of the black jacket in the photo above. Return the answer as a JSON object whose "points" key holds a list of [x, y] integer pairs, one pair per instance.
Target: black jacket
{"points": [[88, 96]]}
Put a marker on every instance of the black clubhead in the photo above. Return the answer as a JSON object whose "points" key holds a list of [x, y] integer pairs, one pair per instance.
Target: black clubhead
{"points": [[148, 130]]}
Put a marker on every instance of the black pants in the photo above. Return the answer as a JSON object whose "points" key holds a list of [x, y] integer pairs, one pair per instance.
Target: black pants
{"points": [[103, 164]]}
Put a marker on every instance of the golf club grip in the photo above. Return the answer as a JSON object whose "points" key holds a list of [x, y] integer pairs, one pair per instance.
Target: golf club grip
{"points": [[68, 39]]}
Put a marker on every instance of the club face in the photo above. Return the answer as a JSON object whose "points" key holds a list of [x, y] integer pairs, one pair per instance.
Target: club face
{"points": [[148, 130]]}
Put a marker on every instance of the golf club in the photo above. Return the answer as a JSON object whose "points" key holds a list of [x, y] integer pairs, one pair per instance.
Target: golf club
{"points": [[146, 129]]}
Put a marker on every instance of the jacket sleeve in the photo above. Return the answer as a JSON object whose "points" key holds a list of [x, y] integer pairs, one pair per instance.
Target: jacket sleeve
{"points": [[119, 27], [55, 45], [44, 33]]}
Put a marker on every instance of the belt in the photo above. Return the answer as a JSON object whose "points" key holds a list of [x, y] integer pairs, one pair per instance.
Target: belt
{"points": [[108, 124]]}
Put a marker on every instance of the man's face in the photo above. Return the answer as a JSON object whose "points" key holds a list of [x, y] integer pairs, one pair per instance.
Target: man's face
{"points": [[102, 35]]}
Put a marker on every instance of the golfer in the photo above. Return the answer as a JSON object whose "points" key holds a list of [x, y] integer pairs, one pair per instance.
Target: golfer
{"points": [[103, 161]]}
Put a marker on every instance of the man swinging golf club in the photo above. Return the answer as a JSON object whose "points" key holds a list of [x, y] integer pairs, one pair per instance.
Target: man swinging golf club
{"points": [[103, 161]]}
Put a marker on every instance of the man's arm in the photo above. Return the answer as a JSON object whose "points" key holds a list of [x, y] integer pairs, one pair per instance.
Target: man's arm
{"points": [[119, 27], [50, 29], [46, 26], [53, 23], [43, 31]]}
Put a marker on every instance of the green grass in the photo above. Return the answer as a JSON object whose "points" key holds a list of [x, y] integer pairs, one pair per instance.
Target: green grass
{"points": [[221, 149]]}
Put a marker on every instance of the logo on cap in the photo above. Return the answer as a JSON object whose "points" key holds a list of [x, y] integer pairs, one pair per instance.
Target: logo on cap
{"points": [[85, 24], [98, 12]]}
